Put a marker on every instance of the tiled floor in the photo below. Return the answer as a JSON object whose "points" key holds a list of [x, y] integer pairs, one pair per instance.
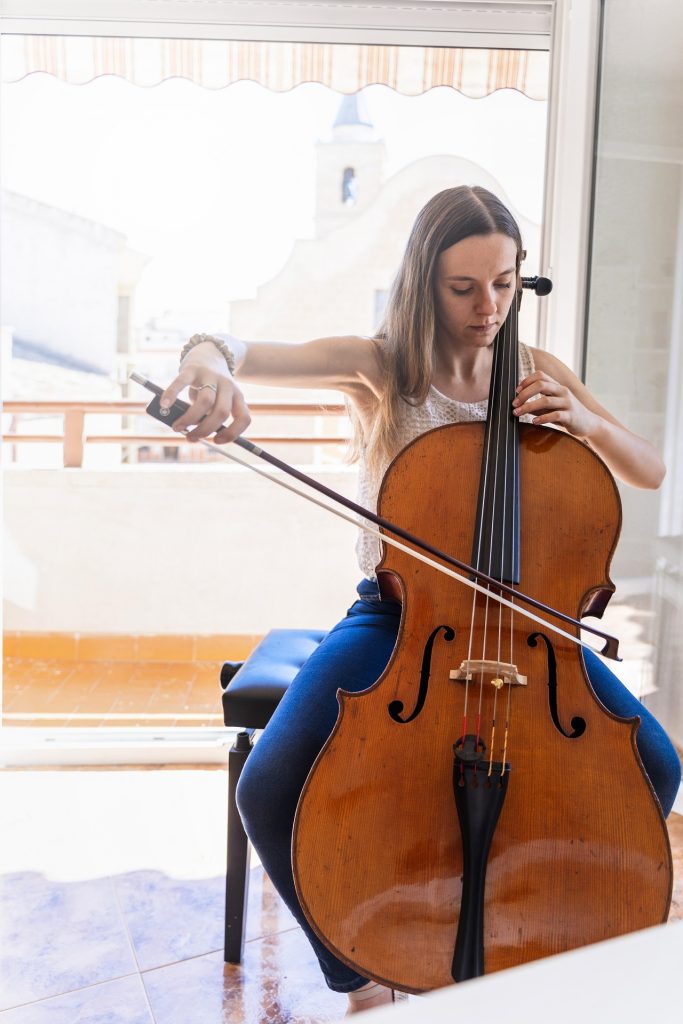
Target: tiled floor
{"points": [[110, 693], [111, 907]]}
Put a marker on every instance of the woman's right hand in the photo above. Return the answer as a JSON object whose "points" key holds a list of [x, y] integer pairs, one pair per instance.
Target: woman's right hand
{"points": [[217, 404]]}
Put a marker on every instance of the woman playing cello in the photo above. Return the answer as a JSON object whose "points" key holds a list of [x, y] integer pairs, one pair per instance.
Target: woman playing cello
{"points": [[428, 365]]}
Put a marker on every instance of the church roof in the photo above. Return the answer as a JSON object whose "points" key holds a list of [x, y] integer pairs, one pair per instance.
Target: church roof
{"points": [[353, 122], [353, 111]]}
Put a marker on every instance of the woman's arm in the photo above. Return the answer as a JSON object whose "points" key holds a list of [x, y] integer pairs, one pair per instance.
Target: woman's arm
{"points": [[348, 364], [553, 394]]}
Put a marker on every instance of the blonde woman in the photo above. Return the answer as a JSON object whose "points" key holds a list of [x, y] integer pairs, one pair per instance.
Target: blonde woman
{"points": [[429, 364]]}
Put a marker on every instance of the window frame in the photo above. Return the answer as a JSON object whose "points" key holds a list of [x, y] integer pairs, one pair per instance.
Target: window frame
{"points": [[515, 23]]}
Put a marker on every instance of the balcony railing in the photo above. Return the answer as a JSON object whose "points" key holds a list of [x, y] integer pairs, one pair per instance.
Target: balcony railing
{"points": [[74, 437]]}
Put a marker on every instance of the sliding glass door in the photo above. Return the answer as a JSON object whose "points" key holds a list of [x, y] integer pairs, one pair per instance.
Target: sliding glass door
{"points": [[634, 336]]}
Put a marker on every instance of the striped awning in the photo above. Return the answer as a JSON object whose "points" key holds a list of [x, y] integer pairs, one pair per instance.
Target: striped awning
{"points": [[279, 66]]}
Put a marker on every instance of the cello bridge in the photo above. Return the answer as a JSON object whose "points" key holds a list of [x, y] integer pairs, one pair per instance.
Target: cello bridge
{"points": [[498, 673]]}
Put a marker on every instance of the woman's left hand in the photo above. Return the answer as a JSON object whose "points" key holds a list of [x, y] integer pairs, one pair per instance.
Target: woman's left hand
{"points": [[542, 397]]}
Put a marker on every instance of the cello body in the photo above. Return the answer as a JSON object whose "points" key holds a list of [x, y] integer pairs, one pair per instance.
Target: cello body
{"points": [[579, 850]]}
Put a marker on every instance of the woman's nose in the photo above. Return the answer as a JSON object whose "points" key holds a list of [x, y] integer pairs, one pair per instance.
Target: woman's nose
{"points": [[487, 303]]}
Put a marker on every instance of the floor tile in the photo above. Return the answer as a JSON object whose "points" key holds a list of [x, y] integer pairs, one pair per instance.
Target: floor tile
{"points": [[123, 1001], [266, 913], [168, 674], [40, 683], [279, 982], [171, 919], [56, 937]]}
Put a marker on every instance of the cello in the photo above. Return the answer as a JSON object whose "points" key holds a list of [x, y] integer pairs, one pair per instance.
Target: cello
{"points": [[478, 807], [448, 852]]}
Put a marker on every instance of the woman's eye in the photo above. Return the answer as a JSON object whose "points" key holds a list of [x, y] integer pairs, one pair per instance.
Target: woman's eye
{"points": [[466, 291]]}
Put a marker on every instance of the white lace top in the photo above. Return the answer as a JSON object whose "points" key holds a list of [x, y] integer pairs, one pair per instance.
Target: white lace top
{"points": [[436, 411]]}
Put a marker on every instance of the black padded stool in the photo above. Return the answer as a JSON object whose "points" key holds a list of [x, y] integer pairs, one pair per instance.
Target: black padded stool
{"points": [[251, 692]]}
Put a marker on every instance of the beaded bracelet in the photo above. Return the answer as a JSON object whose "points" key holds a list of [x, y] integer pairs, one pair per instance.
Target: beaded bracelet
{"points": [[198, 339]]}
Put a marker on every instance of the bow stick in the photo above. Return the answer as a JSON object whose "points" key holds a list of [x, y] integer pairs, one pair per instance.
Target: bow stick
{"points": [[169, 416]]}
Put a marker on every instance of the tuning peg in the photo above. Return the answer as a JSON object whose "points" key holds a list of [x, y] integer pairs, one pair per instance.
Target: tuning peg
{"points": [[541, 285]]}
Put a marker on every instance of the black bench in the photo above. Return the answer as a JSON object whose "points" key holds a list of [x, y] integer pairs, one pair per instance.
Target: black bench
{"points": [[251, 692]]}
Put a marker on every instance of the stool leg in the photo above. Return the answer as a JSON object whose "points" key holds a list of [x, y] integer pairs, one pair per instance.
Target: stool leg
{"points": [[237, 873]]}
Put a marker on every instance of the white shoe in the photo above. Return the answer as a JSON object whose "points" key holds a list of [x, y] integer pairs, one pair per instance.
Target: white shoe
{"points": [[371, 995]]}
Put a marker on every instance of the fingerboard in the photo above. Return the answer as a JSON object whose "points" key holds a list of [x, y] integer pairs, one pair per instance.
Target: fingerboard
{"points": [[495, 548]]}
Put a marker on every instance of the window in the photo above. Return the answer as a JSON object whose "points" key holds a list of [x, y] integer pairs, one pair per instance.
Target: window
{"points": [[349, 186]]}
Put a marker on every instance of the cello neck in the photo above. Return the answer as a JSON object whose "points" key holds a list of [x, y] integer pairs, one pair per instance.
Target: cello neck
{"points": [[495, 548]]}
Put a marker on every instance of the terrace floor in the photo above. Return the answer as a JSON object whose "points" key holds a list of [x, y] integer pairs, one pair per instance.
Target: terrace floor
{"points": [[55, 692]]}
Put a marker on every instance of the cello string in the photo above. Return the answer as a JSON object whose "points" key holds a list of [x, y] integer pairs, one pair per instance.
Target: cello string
{"points": [[493, 444], [485, 473], [507, 428], [493, 388], [502, 448], [484, 485], [503, 444], [516, 513], [490, 526], [392, 542], [515, 425], [504, 426], [511, 452], [473, 613]]}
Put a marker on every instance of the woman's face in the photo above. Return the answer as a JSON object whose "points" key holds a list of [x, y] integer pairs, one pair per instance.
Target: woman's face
{"points": [[474, 288]]}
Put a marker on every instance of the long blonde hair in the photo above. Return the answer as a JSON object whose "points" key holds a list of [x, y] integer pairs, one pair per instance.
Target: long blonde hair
{"points": [[405, 340]]}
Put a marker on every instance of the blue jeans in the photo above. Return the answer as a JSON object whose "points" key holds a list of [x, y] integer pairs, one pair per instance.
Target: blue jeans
{"points": [[351, 657]]}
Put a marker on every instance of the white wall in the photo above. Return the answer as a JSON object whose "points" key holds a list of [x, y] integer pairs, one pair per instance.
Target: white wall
{"points": [[197, 549]]}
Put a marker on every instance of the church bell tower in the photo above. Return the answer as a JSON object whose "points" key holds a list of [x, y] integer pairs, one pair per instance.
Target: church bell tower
{"points": [[350, 166]]}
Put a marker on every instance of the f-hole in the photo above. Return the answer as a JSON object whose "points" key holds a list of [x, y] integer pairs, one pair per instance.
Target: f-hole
{"points": [[577, 723], [396, 707]]}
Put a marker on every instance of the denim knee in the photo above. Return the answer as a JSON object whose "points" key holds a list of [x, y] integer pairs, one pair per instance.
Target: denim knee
{"points": [[261, 801], [656, 750], [246, 794]]}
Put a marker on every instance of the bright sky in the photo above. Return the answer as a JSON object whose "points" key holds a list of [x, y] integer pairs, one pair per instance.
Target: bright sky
{"points": [[215, 186]]}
